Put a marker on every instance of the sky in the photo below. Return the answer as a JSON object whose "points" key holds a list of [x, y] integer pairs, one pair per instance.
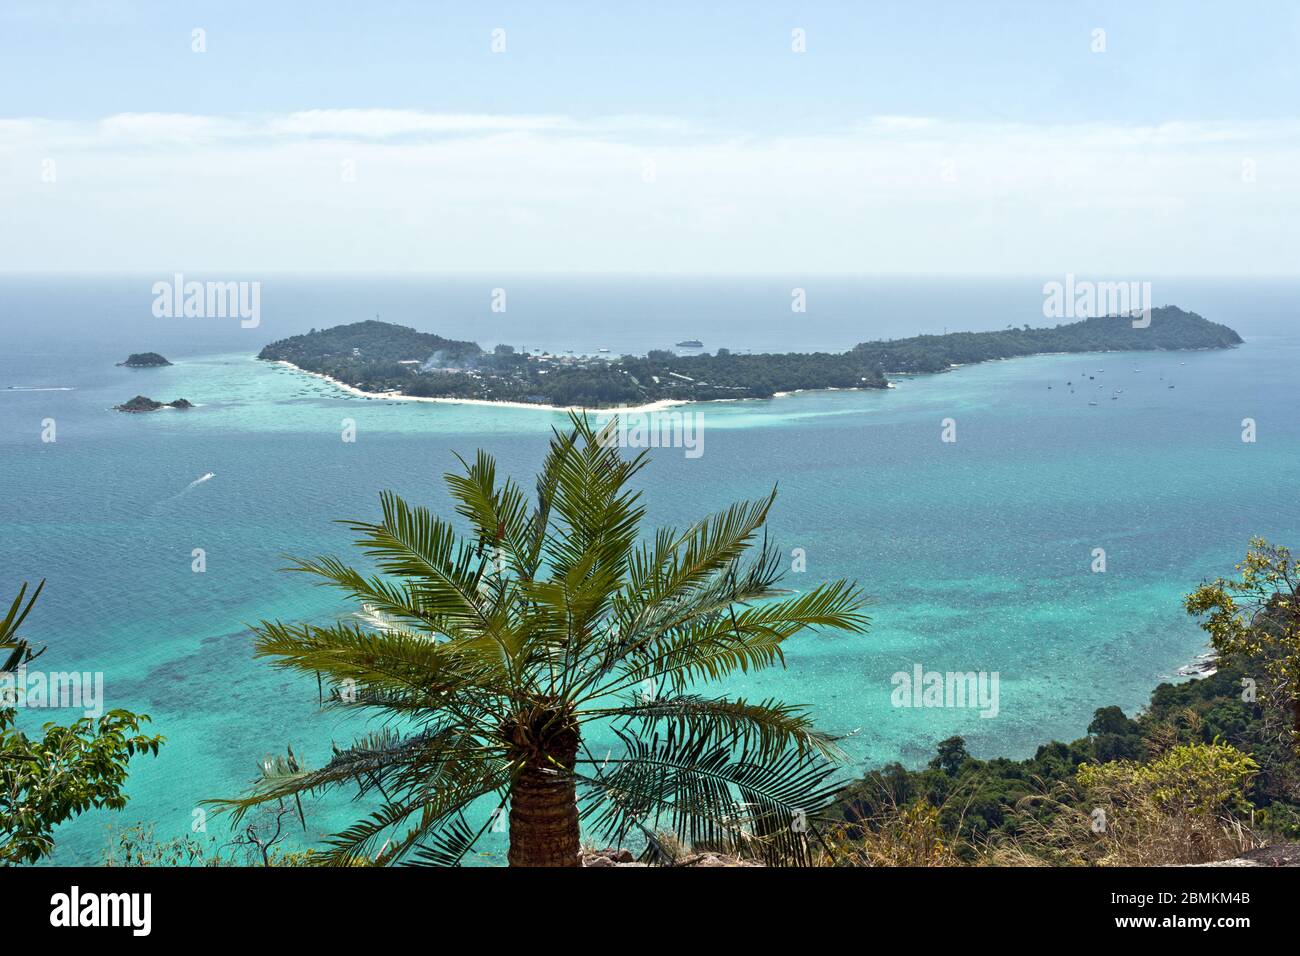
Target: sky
{"points": [[1115, 139]]}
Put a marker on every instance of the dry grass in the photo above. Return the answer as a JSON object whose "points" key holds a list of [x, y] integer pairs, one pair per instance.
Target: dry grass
{"points": [[1140, 833], [911, 835]]}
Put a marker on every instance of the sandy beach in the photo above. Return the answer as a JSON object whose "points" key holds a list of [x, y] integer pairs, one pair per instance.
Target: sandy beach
{"points": [[399, 397]]}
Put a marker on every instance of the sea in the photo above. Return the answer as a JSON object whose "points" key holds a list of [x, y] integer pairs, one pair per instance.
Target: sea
{"points": [[981, 554]]}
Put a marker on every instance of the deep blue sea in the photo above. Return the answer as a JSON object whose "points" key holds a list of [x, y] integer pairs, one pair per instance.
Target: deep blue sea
{"points": [[978, 553]]}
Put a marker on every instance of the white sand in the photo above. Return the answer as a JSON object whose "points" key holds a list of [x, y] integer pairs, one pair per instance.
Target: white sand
{"points": [[399, 397]]}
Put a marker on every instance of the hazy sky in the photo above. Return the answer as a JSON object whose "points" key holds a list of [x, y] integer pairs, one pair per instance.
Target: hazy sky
{"points": [[909, 137]]}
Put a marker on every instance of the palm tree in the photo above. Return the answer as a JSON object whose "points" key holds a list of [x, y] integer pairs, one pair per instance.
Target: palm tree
{"points": [[494, 653]]}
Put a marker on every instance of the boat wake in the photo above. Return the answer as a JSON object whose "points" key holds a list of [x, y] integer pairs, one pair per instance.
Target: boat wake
{"points": [[194, 484], [164, 504]]}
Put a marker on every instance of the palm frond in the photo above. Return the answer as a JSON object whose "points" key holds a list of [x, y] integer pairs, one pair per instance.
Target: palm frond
{"points": [[687, 561], [724, 642], [383, 761], [593, 510], [378, 660], [399, 601], [443, 572], [762, 730], [447, 845], [20, 652], [358, 842], [17, 613], [499, 515], [710, 798]]}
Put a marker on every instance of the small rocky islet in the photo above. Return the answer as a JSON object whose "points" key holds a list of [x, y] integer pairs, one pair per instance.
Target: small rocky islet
{"points": [[143, 404], [144, 360]]}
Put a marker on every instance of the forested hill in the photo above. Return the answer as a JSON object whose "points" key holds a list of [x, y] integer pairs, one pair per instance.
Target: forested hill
{"points": [[1171, 328], [382, 357], [371, 341]]}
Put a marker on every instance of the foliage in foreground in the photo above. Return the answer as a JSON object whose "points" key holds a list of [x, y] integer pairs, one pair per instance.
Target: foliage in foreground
{"points": [[491, 654], [1254, 622], [1205, 772], [67, 769]]}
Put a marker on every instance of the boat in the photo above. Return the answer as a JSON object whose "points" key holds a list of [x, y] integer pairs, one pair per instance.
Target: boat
{"points": [[690, 344]]}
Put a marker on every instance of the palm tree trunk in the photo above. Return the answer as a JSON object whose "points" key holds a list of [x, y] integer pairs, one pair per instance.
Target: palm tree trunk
{"points": [[544, 812]]}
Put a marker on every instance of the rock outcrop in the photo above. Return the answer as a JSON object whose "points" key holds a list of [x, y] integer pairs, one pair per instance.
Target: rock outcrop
{"points": [[623, 857], [144, 360], [1280, 854], [142, 404]]}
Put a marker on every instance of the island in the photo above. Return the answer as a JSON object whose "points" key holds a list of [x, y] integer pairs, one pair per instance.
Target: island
{"points": [[144, 360], [142, 404], [393, 361]]}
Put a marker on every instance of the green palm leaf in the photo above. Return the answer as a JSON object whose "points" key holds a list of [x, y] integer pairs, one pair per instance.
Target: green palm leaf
{"points": [[490, 651], [762, 730], [712, 799]]}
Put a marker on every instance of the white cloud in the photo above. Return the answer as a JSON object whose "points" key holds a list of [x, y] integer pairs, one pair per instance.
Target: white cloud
{"points": [[385, 124], [399, 189], [160, 129]]}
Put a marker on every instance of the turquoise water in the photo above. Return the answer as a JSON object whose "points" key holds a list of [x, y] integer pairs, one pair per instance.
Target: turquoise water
{"points": [[977, 553]]}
